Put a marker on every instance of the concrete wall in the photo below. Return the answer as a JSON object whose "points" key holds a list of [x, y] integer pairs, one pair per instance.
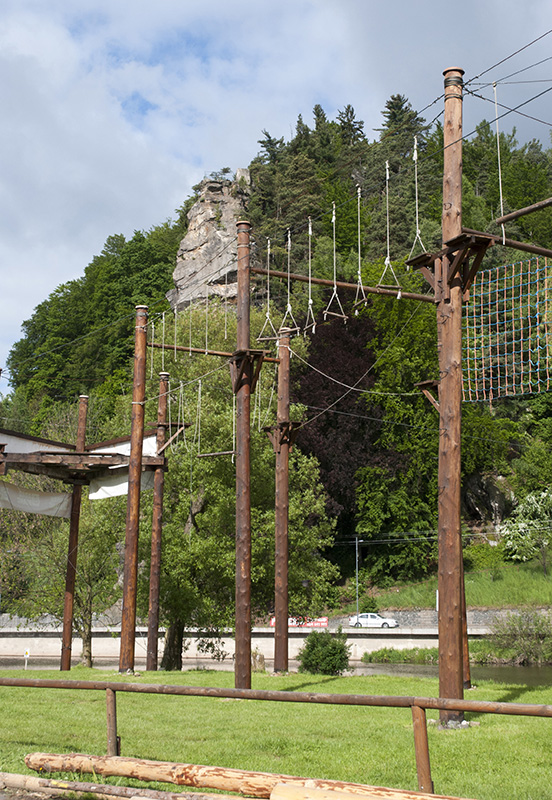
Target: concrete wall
{"points": [[44, 646]]}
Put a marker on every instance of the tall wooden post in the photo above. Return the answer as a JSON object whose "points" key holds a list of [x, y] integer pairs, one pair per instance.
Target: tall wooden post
{"points": [[130, 570], [281, 443], [156, 526], [242, 388], [72, 552], [449, 320]]}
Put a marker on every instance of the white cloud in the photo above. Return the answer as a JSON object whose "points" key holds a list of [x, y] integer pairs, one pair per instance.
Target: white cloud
{"points": [[114, 109]]}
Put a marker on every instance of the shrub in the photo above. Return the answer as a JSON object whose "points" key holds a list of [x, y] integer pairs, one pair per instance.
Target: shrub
{"points": [[484, 556], [368, 603], [415, 655], [526, 637], [324, 653]]}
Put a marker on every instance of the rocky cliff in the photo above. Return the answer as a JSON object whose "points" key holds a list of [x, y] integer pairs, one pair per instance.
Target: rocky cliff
{"points": [[206, 259]]}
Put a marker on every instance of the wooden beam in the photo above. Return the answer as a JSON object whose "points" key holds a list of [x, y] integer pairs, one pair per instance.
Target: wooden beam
{"points": [[424, 298], [498, 239], [523, 211]]}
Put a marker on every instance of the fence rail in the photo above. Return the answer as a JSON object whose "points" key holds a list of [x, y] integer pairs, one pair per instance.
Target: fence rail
{"points": [[417, 705]]}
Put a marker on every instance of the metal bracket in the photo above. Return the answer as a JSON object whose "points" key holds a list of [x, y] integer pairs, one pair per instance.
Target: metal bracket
{"points": [[284, 433], [238, 363]]}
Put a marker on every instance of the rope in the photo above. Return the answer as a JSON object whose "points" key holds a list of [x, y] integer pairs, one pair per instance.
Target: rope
{"points": [[207, 319], [499, 166], [388, 264], [360, 293], [418, 237], [310, 321], [335, 295], [506, 349], [152, 349], [268, 321], [163, 338], [289, 313]]}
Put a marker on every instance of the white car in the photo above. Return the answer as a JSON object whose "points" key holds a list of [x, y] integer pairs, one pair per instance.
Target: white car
{"points": [[372, 620]]}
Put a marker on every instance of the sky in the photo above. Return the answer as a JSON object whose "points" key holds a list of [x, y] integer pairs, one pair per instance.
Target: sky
{"points": [[114, 109]]}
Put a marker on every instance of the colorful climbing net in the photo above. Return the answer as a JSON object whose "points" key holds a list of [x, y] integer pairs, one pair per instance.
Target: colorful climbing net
{"points": [[507, 330]]}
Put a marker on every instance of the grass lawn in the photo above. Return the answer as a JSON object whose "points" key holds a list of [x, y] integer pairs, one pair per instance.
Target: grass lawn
{"points": [[503, 757]]}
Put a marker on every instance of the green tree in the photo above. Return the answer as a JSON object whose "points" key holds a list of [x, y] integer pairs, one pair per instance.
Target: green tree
{"points": [[527, 532]]}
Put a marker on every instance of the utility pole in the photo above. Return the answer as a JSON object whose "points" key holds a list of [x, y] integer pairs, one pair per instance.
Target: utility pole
{"points": [[130, 574], [72, 553], [156, 528], [242, 375], [449, 322], [281, 441]]}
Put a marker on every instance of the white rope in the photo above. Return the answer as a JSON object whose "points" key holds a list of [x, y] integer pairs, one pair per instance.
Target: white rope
{"points": [[268, 321], [310, 323], [418, 237], [388, 264], [226, 305], [271, 396], [233, 427], [293, 328], [152, 349], [347, 385], [335, 295], [174, 358], [207, 319], [499, 166], [360, 293], [163, 350], [198, 418]]}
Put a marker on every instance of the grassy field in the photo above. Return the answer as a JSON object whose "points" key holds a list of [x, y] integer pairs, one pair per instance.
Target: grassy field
{"points": [[501, 757], [513, 586]]}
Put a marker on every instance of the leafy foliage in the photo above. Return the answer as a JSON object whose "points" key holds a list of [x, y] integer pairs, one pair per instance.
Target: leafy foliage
{"points": [[527, 636], [527, 533], [324, 653]]}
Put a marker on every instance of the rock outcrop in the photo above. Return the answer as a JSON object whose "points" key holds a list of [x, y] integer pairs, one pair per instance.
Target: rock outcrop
{"points": [[206, 259]]}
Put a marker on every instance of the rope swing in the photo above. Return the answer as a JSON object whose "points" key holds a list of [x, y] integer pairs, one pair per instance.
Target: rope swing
{"points": [[293, 328], [310, 324], [418, 237], [360, 295], [388, 264], [335, 297], [268, 322], [499, 166]]}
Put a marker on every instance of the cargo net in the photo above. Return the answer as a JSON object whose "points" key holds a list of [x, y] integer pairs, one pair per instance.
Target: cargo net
{"points": [[507, 325]]}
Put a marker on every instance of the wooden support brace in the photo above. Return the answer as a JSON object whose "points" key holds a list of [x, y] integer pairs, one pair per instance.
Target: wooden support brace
{"points": [[425, 387]]}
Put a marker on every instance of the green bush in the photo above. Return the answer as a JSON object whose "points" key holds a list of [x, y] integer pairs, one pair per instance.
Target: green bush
{"points": [[414, 655], [368, 603], [324, 653], [484, 556], [525, 637]]}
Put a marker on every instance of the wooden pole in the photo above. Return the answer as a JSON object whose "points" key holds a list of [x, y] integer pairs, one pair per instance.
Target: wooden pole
{"points": [[449, 320], [156, 528], [130, 570], [72, 552], [113, 745], [242, 675], [281, 444], [421, 747]]}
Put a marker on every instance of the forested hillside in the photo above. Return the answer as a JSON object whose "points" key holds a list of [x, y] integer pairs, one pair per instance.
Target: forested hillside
{"points": [[366, 467]]}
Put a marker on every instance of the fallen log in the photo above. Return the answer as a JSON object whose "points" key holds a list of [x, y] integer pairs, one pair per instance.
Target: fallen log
{"points": [[253, 784], [50, 786], [291, 791]]}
